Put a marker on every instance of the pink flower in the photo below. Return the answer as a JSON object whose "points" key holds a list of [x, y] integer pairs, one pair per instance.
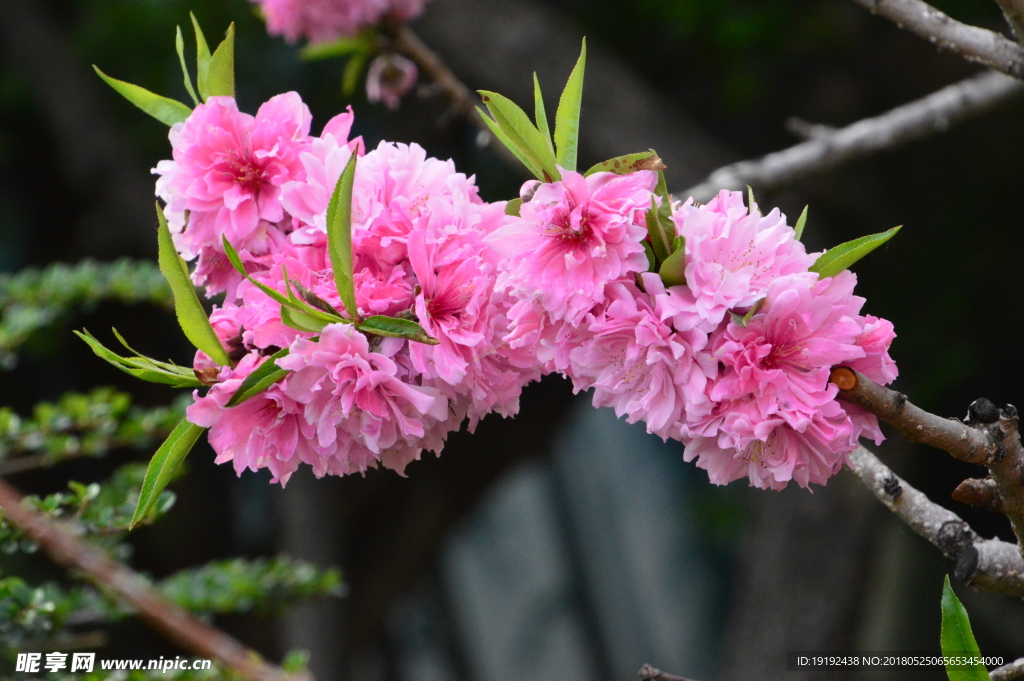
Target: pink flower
{"points": [[573, 237], [734, 253], [389, 78], [326, 20]]}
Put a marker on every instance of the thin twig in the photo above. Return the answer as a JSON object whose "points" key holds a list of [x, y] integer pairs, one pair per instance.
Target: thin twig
{"points": [[970, 42], [1013, 10], [988, 563], [649, 673], [1014, 670], [990, 436], [67, 549], [827, 150]]}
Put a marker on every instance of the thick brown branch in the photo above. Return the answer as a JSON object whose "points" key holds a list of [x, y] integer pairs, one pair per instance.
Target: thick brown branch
{"points": [[988, 563], [67, 549], [1013, 10], [1014, 670], [649, 673], [989, 438], [970, 42], [828, 149]]}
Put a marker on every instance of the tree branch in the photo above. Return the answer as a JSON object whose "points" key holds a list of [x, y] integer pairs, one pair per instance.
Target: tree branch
{"points": [[989, 437], [1014, 670], [828, 149], [988, 563], [649, 673], [67, 549], [970, 42], [1013, 10]]}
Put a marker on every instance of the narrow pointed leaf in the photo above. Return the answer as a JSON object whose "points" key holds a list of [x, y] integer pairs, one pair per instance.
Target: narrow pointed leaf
{"points": [[540, 114], [801, 222], [567, 118], [957, 639], [353, 71], [163, 464], [750, 200], [396, 328], [835, 260], [511, 146], [673, 269], [652, 262], [239, 266], [743, 320], [191, 315], [143, 367], [300, 321], [661, 240], [265, 375], [165, 366], [179, 45], [167, 111], [339, 237], [202, 58], [630, 163], [517, 126], [337, 48], [220, 80]]}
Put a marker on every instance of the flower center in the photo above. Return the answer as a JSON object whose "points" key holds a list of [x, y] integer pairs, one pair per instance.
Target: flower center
{"points": [[572, 226], [244, 171], [449, 302]]}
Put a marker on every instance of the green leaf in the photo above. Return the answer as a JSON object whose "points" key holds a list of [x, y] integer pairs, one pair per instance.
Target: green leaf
{"points": [[394, 327], [523, 134], [338, 48], [801, 222], [191, 315], [743, 320], [511, 146], [339, 237], [202, 58], [143, 367], [835, 260], [673, 269], [353, 70], [513, 207], [167, 111], [179, 45], [750, 200], [162, 466], [567, 118], [957, 639], [265, 375], [652, 262], [540, 114], [300, 321], [630, 163], [220, 79], [659, 231]]}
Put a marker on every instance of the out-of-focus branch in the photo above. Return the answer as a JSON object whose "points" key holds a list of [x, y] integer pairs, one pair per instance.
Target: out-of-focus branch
{"points": [[1014, 670], [990, 437], [970, 42], [649, 673], [1013, 10], [827, 149], [408, 43], [67, 549], [988, 563]]}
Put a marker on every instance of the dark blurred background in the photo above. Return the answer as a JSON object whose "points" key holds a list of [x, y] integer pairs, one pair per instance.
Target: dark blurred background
{"points": [[562, 544]]}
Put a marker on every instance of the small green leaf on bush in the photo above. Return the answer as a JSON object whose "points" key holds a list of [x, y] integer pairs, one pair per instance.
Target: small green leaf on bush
{"points": [[513, 207], [220, 80], [142, 367], [396, 328], [167, 111], [525, 159], [300, 321], [957, 639], [567, 118], [179, 45], [163, 464], [265, 375], [337, 48], [540, 114], [339, 237], [353, 70], [835, 260], [660, 232], [673, 269], [801, 222], [750, 200], [523, 137], [630, 163], [202, 58], [191, 315]]}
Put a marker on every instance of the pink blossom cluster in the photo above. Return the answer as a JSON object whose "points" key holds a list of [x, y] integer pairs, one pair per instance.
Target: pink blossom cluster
{"points": [[350, 400], [734, 362], [326, 20], [748, 397]]}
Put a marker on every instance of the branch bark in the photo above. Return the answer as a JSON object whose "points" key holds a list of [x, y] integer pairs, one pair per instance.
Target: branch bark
{"points": [[828, 149], [970, 42], [989, 437], [1013, 10], [649, 673], [988, 563], [64, 547], [1014, 670]]}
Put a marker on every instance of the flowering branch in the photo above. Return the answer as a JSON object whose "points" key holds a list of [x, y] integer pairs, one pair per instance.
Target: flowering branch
{"points": [[970, 42], [989, 437], [828, 148], [1013, 10], [67, 549], [1014, 670]]}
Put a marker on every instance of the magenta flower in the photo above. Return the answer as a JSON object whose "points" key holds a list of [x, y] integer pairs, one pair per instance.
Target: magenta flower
{"points": [[389, 78], [573, 237], [326, 20]]}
